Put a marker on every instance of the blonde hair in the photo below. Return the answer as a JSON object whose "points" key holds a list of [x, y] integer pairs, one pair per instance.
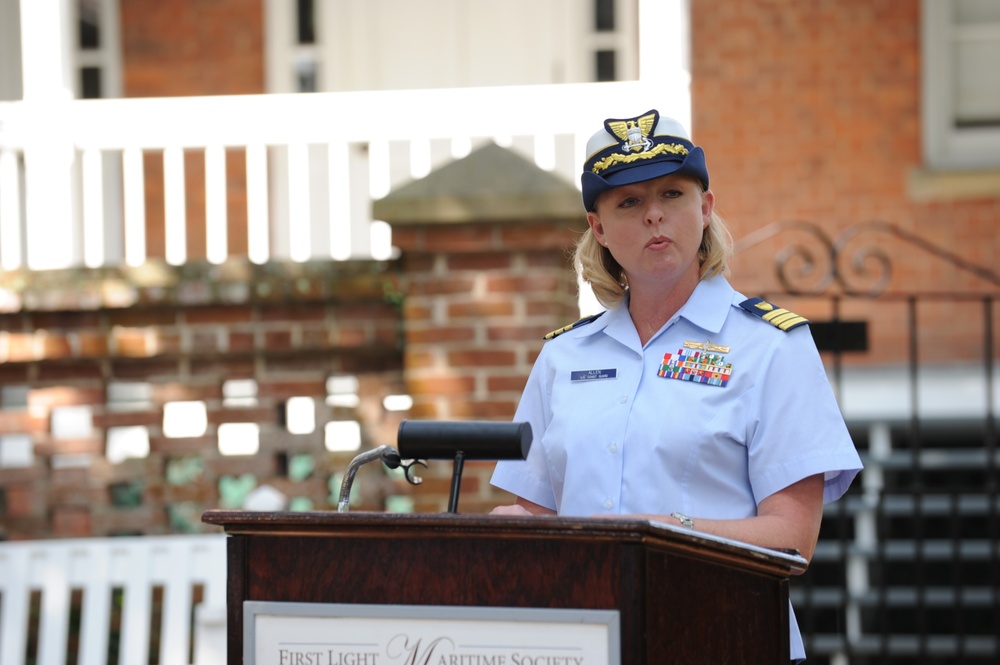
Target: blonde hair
{"points": [[607, 278]]}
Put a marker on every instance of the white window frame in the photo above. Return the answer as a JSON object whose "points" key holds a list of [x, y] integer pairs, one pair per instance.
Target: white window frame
{"points": [[945, 146], [10, 51]]}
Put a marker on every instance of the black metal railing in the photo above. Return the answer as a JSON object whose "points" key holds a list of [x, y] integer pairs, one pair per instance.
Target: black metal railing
{"points": [[907, 569]]}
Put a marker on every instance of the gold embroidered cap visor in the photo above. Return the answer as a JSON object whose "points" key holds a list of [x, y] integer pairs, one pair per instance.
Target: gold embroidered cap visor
{"points": [[631, 150]]}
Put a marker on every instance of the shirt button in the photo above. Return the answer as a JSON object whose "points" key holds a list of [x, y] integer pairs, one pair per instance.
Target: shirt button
{"points": [[623, 399], [613, 447], [608, 503]]}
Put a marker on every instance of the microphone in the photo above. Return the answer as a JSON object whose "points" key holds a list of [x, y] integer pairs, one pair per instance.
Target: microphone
{"points": [[478, 440]]}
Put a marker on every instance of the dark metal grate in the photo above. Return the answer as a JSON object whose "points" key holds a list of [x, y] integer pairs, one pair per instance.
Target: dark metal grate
{"points": [[907, 569]]}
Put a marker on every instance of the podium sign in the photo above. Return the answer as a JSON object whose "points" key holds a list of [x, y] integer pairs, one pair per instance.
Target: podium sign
{"points": [[332, 634]]}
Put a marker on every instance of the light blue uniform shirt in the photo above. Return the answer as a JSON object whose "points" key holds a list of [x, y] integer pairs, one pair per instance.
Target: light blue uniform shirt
{"points": [[610, 436]]}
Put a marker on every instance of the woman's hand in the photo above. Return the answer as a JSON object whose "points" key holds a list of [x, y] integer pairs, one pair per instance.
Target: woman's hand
{"points": [[788, 519], [522, 508], [512, 510]]}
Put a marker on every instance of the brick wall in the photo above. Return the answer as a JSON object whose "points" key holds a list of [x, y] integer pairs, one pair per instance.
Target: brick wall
{"points": [[191, 47], [811, 111], [189, 335], [455, 324]]}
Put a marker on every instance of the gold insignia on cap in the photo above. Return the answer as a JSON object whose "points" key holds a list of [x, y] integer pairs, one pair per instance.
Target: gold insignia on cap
{"points": [[634, 132], [615, 158]]}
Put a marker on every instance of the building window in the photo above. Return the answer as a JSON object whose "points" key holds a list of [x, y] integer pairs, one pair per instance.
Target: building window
{"points": [[307, 75], [97, 52], [89, 25], [306, 57], [306, 22], [604, 15], [605, 66], [90, 83], [961, 92]]}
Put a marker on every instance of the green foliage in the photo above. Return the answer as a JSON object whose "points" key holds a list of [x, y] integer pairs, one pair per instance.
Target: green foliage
{"points": [[233, 490]]}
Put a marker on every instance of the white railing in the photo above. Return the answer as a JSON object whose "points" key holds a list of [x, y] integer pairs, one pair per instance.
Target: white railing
{"points": [[87, 573], [73, 170]]}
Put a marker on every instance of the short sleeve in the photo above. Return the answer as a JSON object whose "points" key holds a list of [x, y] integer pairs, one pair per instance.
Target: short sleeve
{"points": [[529, 479], [799, 430]]}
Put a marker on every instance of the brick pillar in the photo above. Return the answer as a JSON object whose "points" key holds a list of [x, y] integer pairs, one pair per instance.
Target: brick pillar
{"points": [[485, 273], [479, 297]]}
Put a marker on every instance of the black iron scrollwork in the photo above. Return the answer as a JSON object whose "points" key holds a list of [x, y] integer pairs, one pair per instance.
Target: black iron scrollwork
{"points": [[866, 270]]}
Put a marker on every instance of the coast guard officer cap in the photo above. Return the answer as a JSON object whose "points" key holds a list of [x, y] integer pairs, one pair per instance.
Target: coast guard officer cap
{"points": [[630, 150]]}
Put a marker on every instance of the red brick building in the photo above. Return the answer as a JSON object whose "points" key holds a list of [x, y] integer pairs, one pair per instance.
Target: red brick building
{"points": [[854, 148], [809, 112]]}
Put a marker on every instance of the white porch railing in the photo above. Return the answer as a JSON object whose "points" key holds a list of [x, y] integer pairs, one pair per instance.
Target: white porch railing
{"points": [[72, 188], [99, 566]]}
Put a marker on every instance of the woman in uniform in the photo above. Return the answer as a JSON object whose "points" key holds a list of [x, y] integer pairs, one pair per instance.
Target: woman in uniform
{"points": [[684, 402]]}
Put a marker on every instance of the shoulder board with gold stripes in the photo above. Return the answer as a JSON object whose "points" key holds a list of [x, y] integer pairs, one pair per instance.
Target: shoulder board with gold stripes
{"points": [[576, 324], [776, 316]]}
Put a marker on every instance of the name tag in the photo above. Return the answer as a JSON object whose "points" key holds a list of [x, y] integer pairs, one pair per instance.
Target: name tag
{"points": [[593, 374]]}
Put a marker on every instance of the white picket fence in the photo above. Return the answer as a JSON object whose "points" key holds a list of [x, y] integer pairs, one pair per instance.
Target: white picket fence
{"points": [[92, 570]]}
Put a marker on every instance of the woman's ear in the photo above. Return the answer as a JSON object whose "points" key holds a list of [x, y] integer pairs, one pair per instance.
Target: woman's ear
{"points": [[596, 228], [707, 206]]}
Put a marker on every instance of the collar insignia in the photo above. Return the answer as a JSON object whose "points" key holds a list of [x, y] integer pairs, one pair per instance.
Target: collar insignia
{"points": [[778, 317], [576, 324]]}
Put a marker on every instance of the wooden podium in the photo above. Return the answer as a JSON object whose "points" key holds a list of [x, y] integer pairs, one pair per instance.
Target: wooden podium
{"points": [[683, 597]]}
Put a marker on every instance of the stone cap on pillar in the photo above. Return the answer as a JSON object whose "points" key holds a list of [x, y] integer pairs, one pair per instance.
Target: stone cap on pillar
{"points": [[491, 184]]}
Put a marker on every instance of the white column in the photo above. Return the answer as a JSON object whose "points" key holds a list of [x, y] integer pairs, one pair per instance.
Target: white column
{"points": [[379, 165], [340, 199], [216, 244], [93, 208], [135, 206], [46, 36], [258, 239], [299, 218], [46, 39], [358, 241], [175, 205], [10, 211], [280, 230], [279, 38], [111, 79]]}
